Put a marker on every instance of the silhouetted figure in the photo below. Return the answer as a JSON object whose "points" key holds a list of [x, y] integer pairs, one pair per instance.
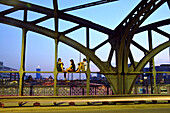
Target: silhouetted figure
{"points": [[82, 66], [60, 67], [71, 68]]}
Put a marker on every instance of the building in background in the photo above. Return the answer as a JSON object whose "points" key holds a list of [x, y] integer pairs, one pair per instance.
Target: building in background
{"points": [[7, 76], [38, 75], [97, 76], [161, 78]]}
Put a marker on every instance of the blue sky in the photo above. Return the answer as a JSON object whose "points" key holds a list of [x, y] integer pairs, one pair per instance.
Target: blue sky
{"points": [[40, 49]]}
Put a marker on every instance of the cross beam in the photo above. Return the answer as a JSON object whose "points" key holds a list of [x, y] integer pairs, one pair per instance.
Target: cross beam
{"points": [[87, 5]]}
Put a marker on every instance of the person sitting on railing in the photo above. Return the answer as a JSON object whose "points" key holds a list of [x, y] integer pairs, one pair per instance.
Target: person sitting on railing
{"points": [[82, 66], [70, 69], [60, 65]]}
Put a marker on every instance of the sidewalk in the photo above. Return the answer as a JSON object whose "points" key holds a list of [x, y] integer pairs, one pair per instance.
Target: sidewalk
{"points": [[136, 108]]}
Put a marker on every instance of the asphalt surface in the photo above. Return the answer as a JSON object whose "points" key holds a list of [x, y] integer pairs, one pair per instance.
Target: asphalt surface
{"points": [[136, 108], [78, 99]]}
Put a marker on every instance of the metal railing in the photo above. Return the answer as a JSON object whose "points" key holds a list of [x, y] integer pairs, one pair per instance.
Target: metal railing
{"points": [[63, 90]]}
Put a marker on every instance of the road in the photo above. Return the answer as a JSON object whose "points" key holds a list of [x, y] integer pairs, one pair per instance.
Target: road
{"points": [[136, 108]]}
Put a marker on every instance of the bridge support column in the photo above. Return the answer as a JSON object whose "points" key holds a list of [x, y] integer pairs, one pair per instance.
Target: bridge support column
{"points": [[120, 81], [122, 84], [55, 83], [125, 84], [154, 77], [22, 64], [88, 77], [88, 63], [55, 72], [151, 62], [113, 81], [21, 82]]}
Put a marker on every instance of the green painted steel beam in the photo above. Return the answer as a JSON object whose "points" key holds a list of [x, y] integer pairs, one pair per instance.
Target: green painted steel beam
{"points": [[153, 26], [88, 76], [8, 11], [22, 67], [23, 51], [61, 15], [151, 54], [146, 59], [55, 72], [154, 76]]}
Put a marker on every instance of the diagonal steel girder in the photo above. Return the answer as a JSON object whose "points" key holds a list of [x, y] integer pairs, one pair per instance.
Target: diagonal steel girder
{"points": [[87, 5], [61, 15], [151, 54], [146, 59], [153, 26]]}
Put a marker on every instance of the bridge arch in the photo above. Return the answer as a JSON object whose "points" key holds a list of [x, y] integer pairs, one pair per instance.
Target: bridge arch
{"points": [[122, 35]]}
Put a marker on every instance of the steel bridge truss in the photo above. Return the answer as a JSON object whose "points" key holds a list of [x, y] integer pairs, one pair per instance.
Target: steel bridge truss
{"points": [[121, 77]]}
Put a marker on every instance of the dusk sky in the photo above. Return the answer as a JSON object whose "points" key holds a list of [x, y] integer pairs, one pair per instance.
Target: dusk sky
{"points": [[40, 48]]}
